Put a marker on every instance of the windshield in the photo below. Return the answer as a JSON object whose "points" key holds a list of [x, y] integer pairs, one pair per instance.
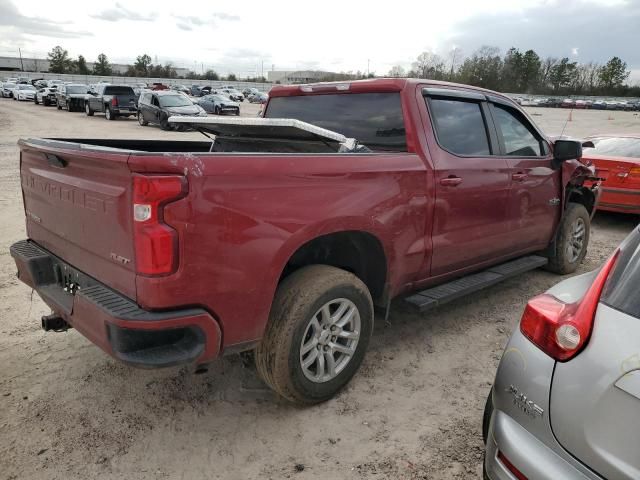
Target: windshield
{"points": [[26, 87], [77, 89], [9, 85], [616, 146], [174, 101], [374, 119]]}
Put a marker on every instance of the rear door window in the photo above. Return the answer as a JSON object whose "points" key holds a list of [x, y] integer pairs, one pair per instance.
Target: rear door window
{"points": [[460, 126], [374, 119]]}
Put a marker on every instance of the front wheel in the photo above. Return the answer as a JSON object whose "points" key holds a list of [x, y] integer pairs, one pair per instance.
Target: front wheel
{"points": [[88, 110], [318, 332], [141, 120], [570, 245], [164, 123]]}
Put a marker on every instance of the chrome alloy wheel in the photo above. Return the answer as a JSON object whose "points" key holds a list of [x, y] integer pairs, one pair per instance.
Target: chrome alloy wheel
{"points": [[330, 340], [575, 242]]}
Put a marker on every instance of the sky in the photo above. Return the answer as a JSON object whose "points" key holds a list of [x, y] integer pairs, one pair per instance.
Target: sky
{"points": [[249, 37]]}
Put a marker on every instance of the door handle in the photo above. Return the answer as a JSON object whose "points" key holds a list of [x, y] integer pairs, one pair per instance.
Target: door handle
{"points": [[520, 176], [450, 181]]}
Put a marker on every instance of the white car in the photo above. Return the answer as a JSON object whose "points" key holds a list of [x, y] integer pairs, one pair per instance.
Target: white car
{"points": [[7, 89], [24, 92]]}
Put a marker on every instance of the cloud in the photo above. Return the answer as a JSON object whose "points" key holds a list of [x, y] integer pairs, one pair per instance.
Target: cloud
{"points": [[12, 19], [557, 29], [119, 12], [189, 22]]}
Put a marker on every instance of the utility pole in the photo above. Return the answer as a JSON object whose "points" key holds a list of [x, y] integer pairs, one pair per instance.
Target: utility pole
{"points": [[368, 62], [21, 62]]}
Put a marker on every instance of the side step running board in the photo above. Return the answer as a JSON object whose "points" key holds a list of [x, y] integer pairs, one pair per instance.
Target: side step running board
{"points": [[441, 294]]}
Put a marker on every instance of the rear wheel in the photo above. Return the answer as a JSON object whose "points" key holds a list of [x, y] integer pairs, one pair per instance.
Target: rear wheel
{"points": [[59, 106], [318, 332], [570, 246], [108, 114], [35, 100], [88, 110]]}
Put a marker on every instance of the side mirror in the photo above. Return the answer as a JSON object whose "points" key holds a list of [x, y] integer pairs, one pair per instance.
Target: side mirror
{"points": [[564, 150]]}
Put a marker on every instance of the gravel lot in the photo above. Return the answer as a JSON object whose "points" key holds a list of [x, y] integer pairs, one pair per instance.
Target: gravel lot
{"points": [[414, 410]]}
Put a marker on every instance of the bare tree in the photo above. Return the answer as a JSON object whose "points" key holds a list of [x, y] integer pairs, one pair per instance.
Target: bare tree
{"points": [[397, 71]]}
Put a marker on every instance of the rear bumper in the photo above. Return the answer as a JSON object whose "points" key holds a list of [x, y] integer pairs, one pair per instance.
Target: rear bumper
{"points": [[116, 324], [125, 111], [532, 457]]}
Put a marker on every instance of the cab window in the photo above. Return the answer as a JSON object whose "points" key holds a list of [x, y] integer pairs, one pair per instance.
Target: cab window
{"points": [[460, 126], [518, 136]]}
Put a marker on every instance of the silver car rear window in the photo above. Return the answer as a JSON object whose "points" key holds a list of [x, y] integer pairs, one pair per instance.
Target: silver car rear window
{"points": [[621, 290]]}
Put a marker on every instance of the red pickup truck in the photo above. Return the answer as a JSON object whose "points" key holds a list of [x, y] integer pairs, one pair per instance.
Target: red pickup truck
{"points": [[280, 236]]}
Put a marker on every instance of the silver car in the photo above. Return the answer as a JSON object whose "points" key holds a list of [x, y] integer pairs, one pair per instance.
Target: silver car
{"points": [[566, 399]]}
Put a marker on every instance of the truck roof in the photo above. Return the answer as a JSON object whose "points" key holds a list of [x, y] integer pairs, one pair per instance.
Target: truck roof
{"points": [[367, 85]]}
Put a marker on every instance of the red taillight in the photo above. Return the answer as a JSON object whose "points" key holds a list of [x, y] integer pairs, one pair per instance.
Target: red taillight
{"points": [[514, 471], [561, 329], [114, 102], [156, 244]]}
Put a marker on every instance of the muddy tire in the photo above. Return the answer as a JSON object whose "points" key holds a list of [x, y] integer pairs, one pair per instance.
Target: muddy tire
{"points": [[572, 240], [318, 332]]}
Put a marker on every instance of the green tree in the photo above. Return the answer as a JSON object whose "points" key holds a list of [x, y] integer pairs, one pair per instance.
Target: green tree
{"points": [[563, 74], [102, 66], [232, 77], [483, 68], [613, 74], [211, 75], [81, 66], [512, 70], [59, 61], [142, 65]]}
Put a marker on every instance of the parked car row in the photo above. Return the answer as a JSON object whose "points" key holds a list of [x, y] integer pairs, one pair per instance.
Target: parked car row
{"points": [[555, 102], [151, 104]]}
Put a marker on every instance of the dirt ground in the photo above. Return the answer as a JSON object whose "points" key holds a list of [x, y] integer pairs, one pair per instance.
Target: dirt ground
{"points": [[68, 411]]}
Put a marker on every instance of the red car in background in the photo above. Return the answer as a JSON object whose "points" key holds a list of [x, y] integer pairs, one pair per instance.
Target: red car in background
{"points": [[617, 161]]}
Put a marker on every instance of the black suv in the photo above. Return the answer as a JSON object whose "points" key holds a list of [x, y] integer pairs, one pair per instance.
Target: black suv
{"points": [[71, 97], [157, 107]]}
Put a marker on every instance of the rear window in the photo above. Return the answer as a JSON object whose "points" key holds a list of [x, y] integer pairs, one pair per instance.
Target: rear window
{"points": [[118, 91], [73, 89], [616, 146], [621, 290], [374, 119]]}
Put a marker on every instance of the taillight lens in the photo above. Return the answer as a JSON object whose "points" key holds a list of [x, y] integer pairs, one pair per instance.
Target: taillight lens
{"points": [[156, 244], [114, 102], [561, 329]]}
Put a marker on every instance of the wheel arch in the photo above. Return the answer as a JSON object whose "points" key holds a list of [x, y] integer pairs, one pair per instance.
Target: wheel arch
{"points": [[582, 195], [357, 251]]}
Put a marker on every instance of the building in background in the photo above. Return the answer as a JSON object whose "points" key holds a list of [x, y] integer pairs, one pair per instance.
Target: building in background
{"points": [[42, 65], [299, 76]]}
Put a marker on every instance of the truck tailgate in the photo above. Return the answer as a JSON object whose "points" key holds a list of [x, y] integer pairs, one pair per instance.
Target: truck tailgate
{"points": [[78, 205]]}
